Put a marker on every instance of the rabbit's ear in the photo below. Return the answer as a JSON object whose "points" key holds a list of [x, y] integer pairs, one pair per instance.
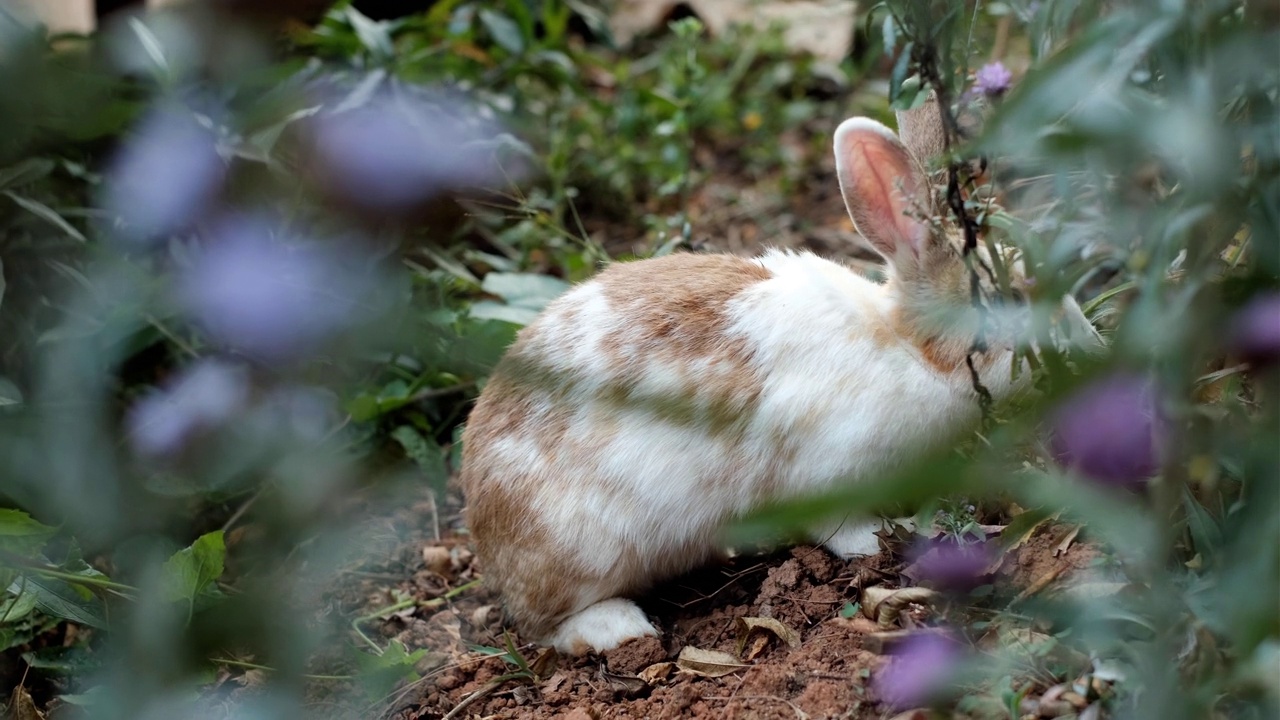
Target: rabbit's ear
{"points": [[922, 132], [884, 189]]}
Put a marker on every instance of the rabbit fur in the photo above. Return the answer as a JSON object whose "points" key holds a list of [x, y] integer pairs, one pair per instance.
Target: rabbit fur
{"points": [[650, 405]]}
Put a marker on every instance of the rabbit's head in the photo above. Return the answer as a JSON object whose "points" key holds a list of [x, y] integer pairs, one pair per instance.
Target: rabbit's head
{"points": [[944, 300]]}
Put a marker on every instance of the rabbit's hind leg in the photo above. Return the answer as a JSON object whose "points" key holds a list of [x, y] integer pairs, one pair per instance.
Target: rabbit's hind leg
{"points": [[602, 626]]}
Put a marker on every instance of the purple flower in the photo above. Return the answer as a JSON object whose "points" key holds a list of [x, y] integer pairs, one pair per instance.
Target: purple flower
{"points": [[1255, 331], [204, 396], [165, 176], [918, 672], [309, 413], [992, 79], [1110, 430], [271, 299], [948, 564], [394, 152]]}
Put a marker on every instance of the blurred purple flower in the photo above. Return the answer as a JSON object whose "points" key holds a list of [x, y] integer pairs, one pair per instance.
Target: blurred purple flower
{"points": [[992, 79], [945, 563], [204, 396], [918, 672], [165, 176], [1255, 331], [395, 151], [273, 300], [1110, 430], [309, 413]]}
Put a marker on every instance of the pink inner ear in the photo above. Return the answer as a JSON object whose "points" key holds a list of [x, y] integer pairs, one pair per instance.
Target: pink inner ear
{"points": [[880, 182]]}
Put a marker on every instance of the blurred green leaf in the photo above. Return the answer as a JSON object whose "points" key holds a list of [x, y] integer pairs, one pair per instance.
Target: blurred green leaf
{"points": [[10, 394], [503, 30], [25, 171], [524, 289], [426, 454], [46, 213], [17, 607], [20, 534], [380, 673], [192, 570], [374, 35], [62, 599]]}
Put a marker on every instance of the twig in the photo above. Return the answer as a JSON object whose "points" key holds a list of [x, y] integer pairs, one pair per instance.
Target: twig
{"points": [[799, 713], [432, 393]]}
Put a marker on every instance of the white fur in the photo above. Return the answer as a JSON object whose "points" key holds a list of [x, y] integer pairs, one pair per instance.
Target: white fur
{"points": [[602, 626]]}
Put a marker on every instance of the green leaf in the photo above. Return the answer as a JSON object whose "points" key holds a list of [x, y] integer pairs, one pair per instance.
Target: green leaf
{"points": [[191, 570], [46, 213], [1206, 534], [380, 673], [93, 697], [9, 393], [18, 607], [489, 310], [19, 534], [426, 454], [374, 35], [28, 170], [503, 30], [524, 289], [62, 599], [890, 32]]}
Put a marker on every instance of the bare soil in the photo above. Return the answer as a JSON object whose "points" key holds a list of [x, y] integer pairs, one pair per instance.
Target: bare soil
{"points": [[825, 675]]}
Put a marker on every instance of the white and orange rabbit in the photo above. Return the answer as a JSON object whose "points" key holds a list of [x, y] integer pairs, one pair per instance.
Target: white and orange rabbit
{"points": [[649, 406]]}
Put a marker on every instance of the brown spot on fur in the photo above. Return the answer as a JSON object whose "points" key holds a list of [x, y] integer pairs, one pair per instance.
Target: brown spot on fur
{"points": [[677, 322]]}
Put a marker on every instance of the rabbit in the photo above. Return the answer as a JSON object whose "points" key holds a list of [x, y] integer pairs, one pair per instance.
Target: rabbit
{"points": [[650, 405]]}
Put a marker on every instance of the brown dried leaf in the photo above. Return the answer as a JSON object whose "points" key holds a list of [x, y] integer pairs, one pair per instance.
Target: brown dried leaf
{"points": [[708, 663], [657, 672], [22, 707], [546, 663], [750, 647], [483, 615], [625, 684], [1067, 539], [762, 626], [438, 560], [885, 604]]}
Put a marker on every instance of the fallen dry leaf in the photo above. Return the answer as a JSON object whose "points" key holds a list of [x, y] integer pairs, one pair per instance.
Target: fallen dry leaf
{"points": [[438, 560], [626, 684], [708, 663], [885, 604], [483, 615], [1067, 539], [546, 663], [657, 672], [762, 627], [22, 707]]}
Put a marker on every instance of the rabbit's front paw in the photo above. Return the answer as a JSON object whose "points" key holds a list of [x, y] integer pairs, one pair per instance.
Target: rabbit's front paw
{"points": [[602, 626]]}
